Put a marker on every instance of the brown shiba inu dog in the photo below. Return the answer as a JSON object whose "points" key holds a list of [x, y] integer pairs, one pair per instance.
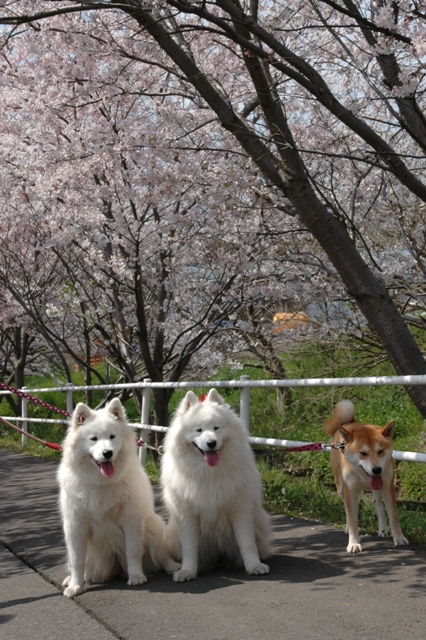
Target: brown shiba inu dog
{"points": [[363, 461]]}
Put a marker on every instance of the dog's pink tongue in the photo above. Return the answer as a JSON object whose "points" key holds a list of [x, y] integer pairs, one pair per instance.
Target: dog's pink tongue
{"points": [[107, 469], [376, 482], [211, 457]]}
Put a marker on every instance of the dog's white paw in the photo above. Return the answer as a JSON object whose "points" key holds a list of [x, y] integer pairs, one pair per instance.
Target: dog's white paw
{"points": [[258, 569], [400, 541], [70, 592], [136, 578], [183, 575], [354, 547], [66, 581]]}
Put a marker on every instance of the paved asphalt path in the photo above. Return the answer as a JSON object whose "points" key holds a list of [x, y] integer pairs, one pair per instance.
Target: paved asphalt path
{"points": [[315, 589]]}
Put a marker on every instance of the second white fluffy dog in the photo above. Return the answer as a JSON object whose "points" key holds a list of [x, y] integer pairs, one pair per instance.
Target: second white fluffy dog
{"points": [[212, 490]]}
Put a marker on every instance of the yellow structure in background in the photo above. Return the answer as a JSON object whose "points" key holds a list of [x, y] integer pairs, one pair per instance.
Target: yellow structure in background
{"points": [[285, 321]]}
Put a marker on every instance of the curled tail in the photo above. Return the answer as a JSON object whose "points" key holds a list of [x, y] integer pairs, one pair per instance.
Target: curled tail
{"points": [[344, 413]]}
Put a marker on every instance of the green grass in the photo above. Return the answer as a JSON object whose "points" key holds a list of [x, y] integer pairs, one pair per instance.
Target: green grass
{"points": [[33, 449], [301, 484]]}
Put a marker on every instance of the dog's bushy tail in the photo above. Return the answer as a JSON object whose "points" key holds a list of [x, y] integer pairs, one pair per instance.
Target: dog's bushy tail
{"points": [[344, 413]]}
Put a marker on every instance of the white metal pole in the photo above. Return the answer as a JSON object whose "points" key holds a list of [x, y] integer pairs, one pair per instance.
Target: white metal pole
{"points": [[70, 401], [245, 404], [144, 433], [24, 405]]}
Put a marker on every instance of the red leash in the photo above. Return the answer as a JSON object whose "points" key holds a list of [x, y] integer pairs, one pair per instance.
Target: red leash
{"points": [[21, 394], [51, 445], [317, 446]]}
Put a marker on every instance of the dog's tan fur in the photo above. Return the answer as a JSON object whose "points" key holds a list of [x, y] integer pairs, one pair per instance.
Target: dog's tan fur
{"points": [[364, 463]]}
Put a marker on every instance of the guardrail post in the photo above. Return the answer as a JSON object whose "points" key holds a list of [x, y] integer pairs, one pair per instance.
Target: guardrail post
{"points": [[245, 404], [70, 398], [144, 433], [24, 411]]}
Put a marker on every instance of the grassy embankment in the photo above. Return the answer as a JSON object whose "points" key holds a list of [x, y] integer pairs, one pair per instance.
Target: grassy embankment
{"points": [[299, 484]]}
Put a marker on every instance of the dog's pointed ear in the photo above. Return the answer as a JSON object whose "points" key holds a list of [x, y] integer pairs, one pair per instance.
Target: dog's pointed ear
{"points": [[213, 396], [389, 429], [80, 415], [189, 401], [347, 437], [116, 409]]}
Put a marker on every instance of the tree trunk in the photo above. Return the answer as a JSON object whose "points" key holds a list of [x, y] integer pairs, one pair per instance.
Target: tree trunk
{"points": [[373, 300], [22, 346], [286, 172]]}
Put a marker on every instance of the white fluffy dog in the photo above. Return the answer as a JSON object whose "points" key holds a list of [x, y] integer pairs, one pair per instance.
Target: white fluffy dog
{"points": [[212, 490], [106, 502]]}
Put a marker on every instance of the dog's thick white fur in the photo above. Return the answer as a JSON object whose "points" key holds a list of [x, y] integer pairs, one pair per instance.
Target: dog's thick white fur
{"points": [[212, 490], [364, 462], [106, 502]]}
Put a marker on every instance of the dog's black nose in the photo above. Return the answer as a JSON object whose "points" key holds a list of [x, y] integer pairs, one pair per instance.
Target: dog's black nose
{"points": [[107, 454], [377, 470], [211, 444]]}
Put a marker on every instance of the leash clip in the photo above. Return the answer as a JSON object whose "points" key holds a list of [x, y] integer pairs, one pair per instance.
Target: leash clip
{"points": [[326, 446], [340, 445], [141, 443]]}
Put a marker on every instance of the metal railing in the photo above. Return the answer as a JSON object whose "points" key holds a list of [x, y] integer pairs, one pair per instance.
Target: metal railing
{"points": [[244, 383]]}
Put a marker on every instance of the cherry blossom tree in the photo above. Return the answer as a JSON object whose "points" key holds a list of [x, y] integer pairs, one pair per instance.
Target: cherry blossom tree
{"points": [[21, 349], [110, 242], [15, 346], [324, 100]]}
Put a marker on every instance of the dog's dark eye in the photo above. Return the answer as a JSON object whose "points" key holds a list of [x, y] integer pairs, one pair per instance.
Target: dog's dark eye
{"points": [[111, 437], [94, 438], [198, 430], [362, 453], [216, 428], [381, 451]]}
